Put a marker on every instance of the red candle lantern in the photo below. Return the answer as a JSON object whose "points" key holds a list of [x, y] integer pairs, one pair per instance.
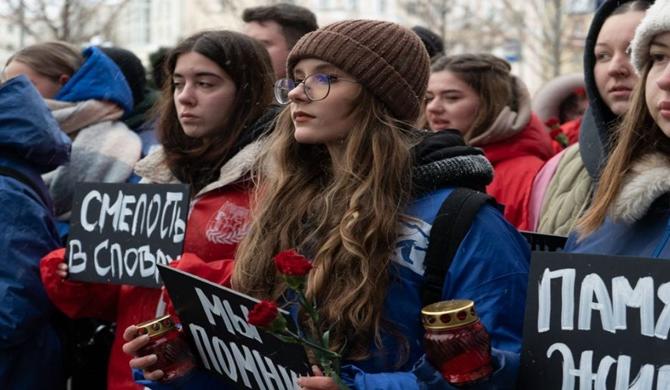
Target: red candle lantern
{"points": [[456, 342], [167, 342]]}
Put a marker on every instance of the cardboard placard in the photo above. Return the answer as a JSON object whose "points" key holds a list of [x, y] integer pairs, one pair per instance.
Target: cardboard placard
{"points": [[596, 322], [544, 242], [215, 317], [119, 232]]}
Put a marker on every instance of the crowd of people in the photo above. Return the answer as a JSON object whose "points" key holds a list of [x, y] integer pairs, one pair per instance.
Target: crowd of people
{"points": [[342, 142]]}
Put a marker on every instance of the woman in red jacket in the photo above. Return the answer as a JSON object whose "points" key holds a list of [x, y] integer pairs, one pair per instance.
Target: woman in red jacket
{"points": [[477, 95], [211, 116]]}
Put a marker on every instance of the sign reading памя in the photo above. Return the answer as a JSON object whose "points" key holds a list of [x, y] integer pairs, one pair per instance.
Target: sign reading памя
{"points": [[596, 322], [227, 345], [119, 232]]}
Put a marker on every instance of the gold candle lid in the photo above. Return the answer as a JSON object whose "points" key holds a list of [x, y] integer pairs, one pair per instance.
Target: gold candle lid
{"points": [[156, 327], [449, 314]]}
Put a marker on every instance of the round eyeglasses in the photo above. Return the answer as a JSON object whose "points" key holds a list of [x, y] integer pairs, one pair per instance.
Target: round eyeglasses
{"points": [[315, 86]]}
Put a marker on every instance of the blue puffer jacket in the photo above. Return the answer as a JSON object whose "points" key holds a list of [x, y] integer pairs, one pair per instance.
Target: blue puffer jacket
{"points": [[490, 267], [638, 223], [31, 143], [98, 78]]}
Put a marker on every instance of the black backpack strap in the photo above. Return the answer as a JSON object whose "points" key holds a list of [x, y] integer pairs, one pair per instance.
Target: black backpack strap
{"points": [[451, 224], [13, 173]]}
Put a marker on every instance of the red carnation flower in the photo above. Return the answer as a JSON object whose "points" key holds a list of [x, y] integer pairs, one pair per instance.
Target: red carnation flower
{"points": [[292, 263], [552, 123], [263, 314]]}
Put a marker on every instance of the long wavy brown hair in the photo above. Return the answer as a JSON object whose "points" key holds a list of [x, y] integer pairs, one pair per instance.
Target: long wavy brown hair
{"points": [[636, 136], [344, 217], [198, 161]]}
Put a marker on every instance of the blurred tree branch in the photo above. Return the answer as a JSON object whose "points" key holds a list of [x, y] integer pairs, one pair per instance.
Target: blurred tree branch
{"points": [[75, 21]]}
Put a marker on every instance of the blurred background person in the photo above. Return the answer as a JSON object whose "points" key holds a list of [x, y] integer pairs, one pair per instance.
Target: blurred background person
{"points": [[88, 95], [31, 144], [477, 95], [278, 27], [564, 187], [630, 214]]}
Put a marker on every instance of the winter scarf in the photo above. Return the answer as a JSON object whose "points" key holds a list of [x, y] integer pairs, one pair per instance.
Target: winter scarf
{"points": [[443, 159], [103, 149]]}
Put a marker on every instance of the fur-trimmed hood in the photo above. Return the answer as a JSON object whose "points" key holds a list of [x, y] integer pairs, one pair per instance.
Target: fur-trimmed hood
{"points": [[647, 180]]}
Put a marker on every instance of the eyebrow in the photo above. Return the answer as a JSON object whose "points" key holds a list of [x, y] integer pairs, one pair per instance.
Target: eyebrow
{"points": [[656, 43], [443, 91], [199, 74]]}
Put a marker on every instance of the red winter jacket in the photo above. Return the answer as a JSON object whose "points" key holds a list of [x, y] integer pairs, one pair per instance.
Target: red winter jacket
{"points": [[217, 221], [516, 161], [571, 130]]}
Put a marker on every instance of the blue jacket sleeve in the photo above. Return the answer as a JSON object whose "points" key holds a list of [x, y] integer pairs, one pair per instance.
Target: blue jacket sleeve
{"points": [[28, 234], [490, 268]]}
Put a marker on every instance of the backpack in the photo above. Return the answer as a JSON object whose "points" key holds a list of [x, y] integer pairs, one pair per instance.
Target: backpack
{"points": [[451, 224]]}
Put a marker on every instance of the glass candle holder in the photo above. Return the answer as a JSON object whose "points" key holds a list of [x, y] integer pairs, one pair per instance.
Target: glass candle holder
{"points": [[167, 342], [456, 342]]}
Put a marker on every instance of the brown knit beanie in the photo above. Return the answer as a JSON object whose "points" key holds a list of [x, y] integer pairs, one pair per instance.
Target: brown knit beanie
{"points": [[386, 58]]}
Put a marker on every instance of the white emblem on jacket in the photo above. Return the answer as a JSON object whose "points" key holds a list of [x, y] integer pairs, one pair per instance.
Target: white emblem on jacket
{"points": [[229, 225], [410, 249]]}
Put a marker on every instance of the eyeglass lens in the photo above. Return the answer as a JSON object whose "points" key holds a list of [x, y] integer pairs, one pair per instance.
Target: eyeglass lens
{"points": [[315, 86]]}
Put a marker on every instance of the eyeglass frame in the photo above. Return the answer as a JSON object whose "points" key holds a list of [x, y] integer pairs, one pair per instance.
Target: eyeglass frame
{"points": [[309, 98]]}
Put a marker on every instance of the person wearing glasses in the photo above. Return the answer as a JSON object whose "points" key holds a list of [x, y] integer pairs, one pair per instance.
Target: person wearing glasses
{"points": [[349, 182], [211, 117]]}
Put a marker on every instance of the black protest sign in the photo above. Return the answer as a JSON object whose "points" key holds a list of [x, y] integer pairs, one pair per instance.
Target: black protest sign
{"points": [[596, 322], [242, 355], [119, 232], [544, 242]]}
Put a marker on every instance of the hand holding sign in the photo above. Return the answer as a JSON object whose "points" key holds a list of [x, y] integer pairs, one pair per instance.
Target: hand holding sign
{"points": [[228, 346], [119, 232]]}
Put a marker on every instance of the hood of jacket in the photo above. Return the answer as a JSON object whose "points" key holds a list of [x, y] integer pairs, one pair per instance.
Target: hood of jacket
{"points": [[443, 159], [509, 122], [98, 78], [28, 131], [547, 100], [647, 180], [599, 120], [533, 140]]}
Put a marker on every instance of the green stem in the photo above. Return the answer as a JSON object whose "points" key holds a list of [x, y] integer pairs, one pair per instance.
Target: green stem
{"points": [[313, 345]]}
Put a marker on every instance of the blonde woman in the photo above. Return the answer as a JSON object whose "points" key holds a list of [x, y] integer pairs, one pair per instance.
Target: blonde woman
{"points": [[631, 208]]}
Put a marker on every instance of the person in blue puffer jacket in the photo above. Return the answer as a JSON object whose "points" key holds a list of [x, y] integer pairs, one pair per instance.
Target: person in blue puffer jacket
{"points": [[630, 214], [340, 181], [30, 144], [88, 95]]}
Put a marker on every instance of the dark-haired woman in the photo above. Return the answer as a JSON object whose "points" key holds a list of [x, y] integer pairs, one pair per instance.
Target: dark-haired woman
{"points": [[211, 115]]}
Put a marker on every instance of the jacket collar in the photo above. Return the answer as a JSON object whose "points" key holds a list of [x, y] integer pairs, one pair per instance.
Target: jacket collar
{"points": [[647, 180], [153, 168]]}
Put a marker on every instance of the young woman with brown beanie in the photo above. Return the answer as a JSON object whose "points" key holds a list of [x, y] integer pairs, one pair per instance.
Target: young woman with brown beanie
{"points": [[342, 191]]}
